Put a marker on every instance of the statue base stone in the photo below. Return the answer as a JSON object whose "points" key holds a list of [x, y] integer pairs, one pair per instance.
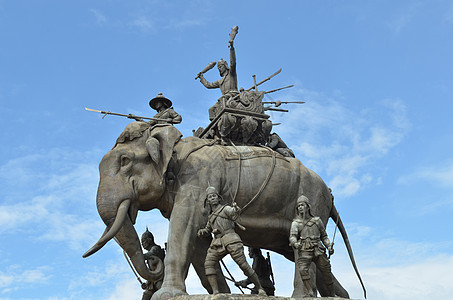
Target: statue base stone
{"points": [[247, 297]]}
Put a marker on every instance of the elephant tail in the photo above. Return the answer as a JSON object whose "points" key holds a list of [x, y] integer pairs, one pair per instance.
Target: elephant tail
{"points": [[336, 218]]}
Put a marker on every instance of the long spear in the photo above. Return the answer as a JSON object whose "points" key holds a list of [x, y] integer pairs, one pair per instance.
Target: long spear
{"points": [[130, 264], [282, 88], [231, 275], [264, 80], [130, 116], [278, 102]]}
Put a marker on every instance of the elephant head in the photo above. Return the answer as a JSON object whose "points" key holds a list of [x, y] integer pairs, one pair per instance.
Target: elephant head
{"points": [[132, 179]]}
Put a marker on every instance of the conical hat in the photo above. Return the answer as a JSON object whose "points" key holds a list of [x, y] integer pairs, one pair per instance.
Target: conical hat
{"points": [[159, 98]]}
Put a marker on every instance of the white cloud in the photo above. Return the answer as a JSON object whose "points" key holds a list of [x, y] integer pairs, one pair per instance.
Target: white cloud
{"points": [[127, 290], [442, 175], [113, 270], [143, 23], [329, 137], [183, 23], [5, 280], [399, 22], [13, 277], [100, 18], [51, 200], [429, 278], [434, 205]]}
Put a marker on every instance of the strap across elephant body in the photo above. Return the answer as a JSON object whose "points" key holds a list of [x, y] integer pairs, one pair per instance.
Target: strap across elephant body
{"points": [[265, 182], [214, 142]]}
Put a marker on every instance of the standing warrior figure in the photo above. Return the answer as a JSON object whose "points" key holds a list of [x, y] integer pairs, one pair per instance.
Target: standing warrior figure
{"points": [[307, 237], [228, 84], [155, 250], [221, 223], [165, 112], [262, 269]]}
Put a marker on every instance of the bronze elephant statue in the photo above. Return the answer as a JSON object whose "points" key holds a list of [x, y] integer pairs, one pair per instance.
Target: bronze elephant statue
{"points": [[153, 168]]}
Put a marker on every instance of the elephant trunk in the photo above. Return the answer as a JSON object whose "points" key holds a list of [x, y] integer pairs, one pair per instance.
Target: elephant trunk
{"points": [[127, 238]]}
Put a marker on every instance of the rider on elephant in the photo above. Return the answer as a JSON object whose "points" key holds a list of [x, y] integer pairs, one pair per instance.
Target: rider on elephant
{"points": [[165, 113], [228, 84], [307, 237], [221, 223]]}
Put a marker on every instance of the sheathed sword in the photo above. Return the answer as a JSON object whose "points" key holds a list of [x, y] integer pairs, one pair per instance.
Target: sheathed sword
{"points": [[334, 233]]}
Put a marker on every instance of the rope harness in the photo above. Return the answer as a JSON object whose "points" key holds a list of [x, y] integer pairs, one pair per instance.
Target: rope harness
{"points": [[263, 185], [265, 182]]}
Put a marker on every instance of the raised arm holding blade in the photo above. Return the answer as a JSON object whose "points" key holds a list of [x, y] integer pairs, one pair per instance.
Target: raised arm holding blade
{"points": [[228, 84]]}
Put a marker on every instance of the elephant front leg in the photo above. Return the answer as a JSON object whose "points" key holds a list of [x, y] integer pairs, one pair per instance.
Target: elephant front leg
{"points": [[181, 243]]}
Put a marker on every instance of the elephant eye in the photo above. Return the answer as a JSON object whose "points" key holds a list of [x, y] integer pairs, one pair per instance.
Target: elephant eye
{"points": [[125, 160]]}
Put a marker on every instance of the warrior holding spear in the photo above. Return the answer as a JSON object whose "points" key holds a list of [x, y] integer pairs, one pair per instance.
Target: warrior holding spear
{"points": [[163, 106]]}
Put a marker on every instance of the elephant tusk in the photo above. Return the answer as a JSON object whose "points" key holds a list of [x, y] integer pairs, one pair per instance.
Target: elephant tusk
{"points": [[117, 224]]}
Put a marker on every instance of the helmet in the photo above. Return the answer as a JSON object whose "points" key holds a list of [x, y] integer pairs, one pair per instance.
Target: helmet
{"points": [[304, 199], [148, 235], [211, 190], [222, 62], [256, 251]]}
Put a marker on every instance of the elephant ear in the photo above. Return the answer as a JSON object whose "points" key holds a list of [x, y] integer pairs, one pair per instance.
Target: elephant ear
{"points": [[160, 144], [153, 147]]}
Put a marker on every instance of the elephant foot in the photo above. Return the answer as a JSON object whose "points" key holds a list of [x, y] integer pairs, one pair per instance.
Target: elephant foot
{"points": [[166, 293]]}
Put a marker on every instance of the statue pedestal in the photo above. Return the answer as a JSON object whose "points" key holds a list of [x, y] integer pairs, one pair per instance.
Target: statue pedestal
{"points": [[245, 297]]}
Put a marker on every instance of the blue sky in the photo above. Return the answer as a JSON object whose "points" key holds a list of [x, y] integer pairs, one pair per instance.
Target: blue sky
{"points": [[376, 126]]}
